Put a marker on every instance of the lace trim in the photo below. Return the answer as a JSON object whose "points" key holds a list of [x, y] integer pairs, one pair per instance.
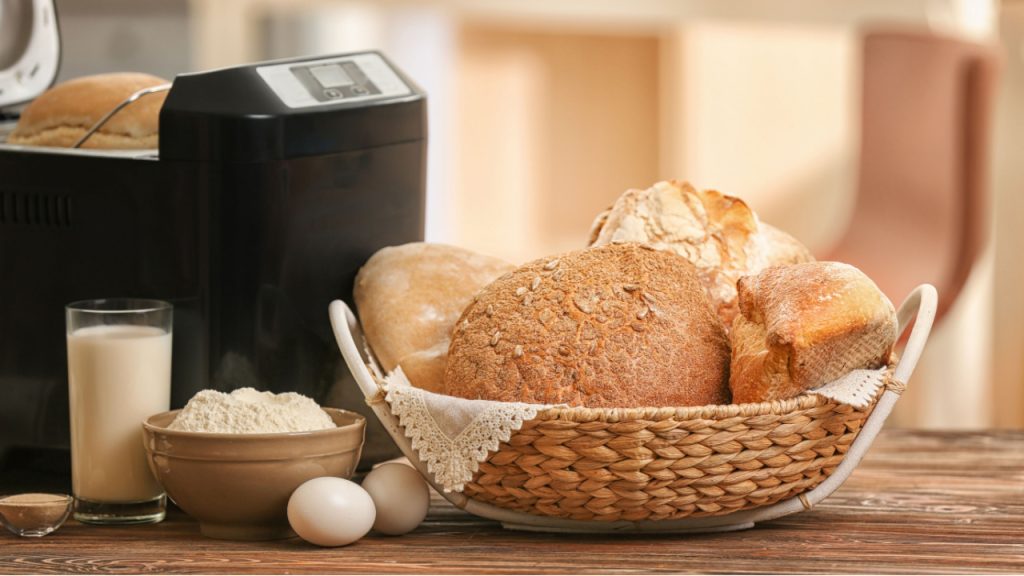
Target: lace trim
{"points": [[453, 461]]}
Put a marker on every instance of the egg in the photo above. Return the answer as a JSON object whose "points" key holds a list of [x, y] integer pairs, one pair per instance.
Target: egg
{"points": [[400, 495], [330, 511]]}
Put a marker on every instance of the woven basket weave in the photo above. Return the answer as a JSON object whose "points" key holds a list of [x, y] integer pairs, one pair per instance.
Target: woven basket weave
{"points": [[666, 464]]}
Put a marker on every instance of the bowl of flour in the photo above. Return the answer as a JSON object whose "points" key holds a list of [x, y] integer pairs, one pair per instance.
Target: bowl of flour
{"points": [[249, 411], [232, 460]]}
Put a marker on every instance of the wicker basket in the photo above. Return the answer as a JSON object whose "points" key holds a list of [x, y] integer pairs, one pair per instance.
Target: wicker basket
{"points": [[665, 469]]}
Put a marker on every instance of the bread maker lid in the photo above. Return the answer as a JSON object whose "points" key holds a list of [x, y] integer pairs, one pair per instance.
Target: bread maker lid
{"points": [[29, 49]]}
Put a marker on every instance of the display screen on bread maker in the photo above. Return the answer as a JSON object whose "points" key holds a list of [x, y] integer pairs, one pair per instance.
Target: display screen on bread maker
{"points": [[335, 81]]}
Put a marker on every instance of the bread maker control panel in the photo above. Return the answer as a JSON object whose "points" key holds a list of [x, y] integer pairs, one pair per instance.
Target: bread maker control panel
{"points": [[341, 80]]}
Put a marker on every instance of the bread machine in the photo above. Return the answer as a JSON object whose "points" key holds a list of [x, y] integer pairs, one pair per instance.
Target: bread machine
{"points": [[271, 185]]}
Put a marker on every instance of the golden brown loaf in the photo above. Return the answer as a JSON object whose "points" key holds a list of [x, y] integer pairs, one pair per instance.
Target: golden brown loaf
{"points": [[804, 325], [409, 298], [63, 114], [719, 234], [611, 326]]}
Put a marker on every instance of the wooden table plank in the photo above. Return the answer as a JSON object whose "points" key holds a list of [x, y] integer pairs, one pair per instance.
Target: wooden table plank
{"points": [[920, 502]]}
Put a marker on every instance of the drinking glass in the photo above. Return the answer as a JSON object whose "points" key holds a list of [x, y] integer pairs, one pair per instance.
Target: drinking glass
{"points": [[119, 374]]}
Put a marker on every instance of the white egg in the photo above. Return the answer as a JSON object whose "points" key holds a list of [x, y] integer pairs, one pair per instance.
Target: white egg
{"points": [[330, 511], [400, 495]]}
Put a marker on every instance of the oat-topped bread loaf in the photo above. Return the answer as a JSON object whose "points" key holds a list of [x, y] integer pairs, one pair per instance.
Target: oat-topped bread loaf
{"points": [[804, 325], [719, 234], [612, 326], [63, 114], [409, 298]]}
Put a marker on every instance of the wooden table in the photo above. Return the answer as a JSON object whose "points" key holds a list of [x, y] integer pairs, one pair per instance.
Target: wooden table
{"points": [[920, 502]]}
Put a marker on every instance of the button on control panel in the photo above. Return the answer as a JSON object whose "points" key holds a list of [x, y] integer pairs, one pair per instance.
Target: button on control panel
{"points": [[335, 81]]}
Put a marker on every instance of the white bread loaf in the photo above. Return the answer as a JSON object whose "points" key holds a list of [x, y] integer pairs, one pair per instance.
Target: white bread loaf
{"points": [[409, 297]]}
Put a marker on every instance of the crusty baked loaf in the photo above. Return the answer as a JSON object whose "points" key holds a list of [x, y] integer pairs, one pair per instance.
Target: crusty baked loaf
{"points": [[409, 298], [719, 234], [623, 325], [804, 325], [63, 114]]}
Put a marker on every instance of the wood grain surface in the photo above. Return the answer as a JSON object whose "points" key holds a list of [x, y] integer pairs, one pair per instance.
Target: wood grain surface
{"points": [[920, 502]]}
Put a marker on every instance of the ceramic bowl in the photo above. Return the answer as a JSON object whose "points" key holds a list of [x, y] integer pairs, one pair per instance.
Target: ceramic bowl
{"points": [[237, 485]]}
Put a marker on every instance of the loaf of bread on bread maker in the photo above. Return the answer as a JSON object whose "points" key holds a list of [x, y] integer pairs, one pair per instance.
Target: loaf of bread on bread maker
{"points": [[63, 114]]}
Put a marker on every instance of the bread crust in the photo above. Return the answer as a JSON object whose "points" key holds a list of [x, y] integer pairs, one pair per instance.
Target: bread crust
{"points": [[803, 325], [621, 325], [718, 233], [409, 297], [62, 115]]}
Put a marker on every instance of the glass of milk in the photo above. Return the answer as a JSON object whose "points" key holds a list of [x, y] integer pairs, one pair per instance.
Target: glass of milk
{"points": [[119, 374]]}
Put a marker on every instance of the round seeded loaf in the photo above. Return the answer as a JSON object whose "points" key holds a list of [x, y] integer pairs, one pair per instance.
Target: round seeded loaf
{"points": [[621, 325]]}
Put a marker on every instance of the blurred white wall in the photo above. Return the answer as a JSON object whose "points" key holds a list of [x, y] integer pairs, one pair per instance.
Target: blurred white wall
{"points": [[97, 36], [770, 115], [551, 128]]}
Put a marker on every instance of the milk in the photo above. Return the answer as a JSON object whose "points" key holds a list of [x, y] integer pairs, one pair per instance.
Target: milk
{"points": [[117, 377]]}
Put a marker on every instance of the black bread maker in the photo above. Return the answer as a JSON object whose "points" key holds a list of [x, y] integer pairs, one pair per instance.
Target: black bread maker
{"points": [[272, 184]]}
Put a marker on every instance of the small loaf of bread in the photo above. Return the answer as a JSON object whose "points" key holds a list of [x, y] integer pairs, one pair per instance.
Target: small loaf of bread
{"points": [[62, 115], [409, 298], [719, 234], [804, 325], [613, 326]]}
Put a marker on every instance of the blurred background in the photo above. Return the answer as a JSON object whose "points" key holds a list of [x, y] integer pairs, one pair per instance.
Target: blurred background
{"points": [[886, 133]]}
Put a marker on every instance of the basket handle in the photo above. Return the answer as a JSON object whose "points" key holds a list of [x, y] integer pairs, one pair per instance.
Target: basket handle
{"points": [[347, 332], [920, 307], [346, 328]]}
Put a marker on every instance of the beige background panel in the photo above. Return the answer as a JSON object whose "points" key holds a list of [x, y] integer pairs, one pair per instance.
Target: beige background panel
{"points": [[551, 128], [770, 115], [1008, 189]]}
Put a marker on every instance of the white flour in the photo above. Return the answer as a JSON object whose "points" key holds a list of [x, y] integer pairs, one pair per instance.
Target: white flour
{"points": [[249, 411]]}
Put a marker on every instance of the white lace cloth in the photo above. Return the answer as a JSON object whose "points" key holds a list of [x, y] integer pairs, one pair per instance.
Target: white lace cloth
{"points": [[454, 435]]}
